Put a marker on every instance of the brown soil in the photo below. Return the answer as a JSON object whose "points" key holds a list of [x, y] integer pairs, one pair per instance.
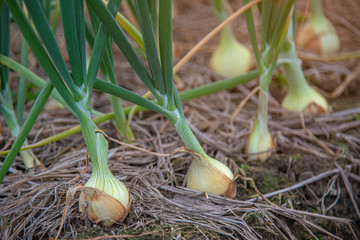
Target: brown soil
{"points": [[32, 204]]}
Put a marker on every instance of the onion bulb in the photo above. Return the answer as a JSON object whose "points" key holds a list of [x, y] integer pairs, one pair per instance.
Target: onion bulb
{"points": [[104, 198], [304, 99], [260, 143], [318, 35], [206, 174], [102, 207], [230, 58], [211, 176], [300, 97]]}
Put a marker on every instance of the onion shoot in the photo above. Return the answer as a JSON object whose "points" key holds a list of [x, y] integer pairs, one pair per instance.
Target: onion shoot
{"points": [[275, 20], [75, 88], [160, 82]]}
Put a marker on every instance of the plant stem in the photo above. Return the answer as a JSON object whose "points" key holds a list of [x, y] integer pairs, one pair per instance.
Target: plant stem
{"points": [[263, 110], [218, 86], [24, 132], [295, 75], [187, 135], [22, 83], [219, 10], [92, 139], [185, 96], [317, 13], [221, 15]]}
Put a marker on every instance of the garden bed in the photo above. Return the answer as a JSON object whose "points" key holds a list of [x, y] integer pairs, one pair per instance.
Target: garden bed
{"points": [[322, 149]]}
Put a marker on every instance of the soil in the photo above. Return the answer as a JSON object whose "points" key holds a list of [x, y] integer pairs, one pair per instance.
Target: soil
{"points": [[32, 203]]}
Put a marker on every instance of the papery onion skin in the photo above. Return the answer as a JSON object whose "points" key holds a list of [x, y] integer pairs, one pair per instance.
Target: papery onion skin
{"points": [[322, 43], [101, 207], [318, 34]]}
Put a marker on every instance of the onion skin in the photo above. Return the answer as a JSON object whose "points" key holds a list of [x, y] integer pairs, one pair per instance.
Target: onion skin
{"points": [[300, 97], [259, 143], [231, 59], [205, 177], [101, 207], [322, 43], [318, 34], [309, 101]]}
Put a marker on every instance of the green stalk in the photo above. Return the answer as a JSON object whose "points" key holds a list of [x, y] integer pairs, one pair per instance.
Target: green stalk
{"points": [[6, 103], [184, 96], [32, 77], [316, 13], [275, 24], [206, 173], [74, 44], [25, 129], [219, 10], [55, 17], [153, 7], [102, 45], [187, 135], [165, 40], [88, 130], [22, 83], [150, 48], [131, 30], [120, 118], [262, 116]]}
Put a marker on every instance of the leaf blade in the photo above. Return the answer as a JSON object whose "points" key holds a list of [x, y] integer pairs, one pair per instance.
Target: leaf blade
{"points": [[152, 56], [124, 44]]}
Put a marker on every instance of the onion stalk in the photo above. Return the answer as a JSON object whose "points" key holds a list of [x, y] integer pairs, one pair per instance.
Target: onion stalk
{"points": [[104, 199], [275, 19], [260, 143], [74, 89], [13, 120], [108, 70], [301, 97], [318, 34], [230, 58], [205, 174]]}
